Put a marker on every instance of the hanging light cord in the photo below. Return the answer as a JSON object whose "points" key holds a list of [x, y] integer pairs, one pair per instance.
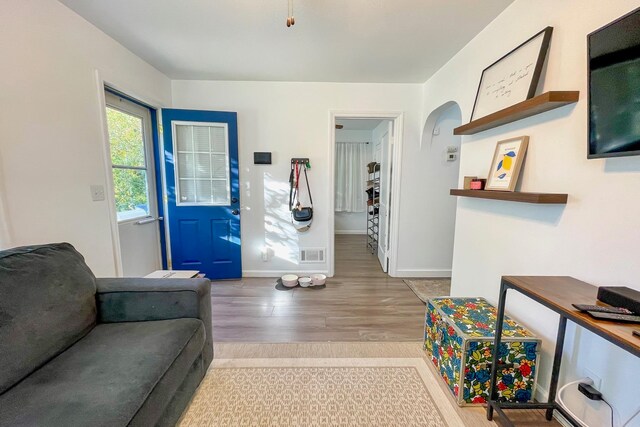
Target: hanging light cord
{"points": [[291, 20]]}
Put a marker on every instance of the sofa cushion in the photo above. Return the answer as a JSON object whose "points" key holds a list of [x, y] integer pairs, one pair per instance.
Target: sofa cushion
{"points": [[112, 377], [47, 303]]}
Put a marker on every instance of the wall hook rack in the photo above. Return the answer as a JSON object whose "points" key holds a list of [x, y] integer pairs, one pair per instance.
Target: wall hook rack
{"points": [[301, 160]]}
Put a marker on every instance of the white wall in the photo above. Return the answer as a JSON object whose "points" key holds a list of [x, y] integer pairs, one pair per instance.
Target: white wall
{"points": [[292, 119], [437, 178], [5, 227], [594, 237], [51, 137], [353, 222]]}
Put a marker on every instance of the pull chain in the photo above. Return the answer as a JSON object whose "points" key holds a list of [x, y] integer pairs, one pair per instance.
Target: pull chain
{"points": [[291, 20]]}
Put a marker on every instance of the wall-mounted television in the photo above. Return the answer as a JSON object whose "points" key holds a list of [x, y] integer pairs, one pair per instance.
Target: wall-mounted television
{"points": [[614, 88]]}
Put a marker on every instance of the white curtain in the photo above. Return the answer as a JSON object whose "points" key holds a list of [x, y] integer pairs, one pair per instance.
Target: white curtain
{"points": [[351, 177]]}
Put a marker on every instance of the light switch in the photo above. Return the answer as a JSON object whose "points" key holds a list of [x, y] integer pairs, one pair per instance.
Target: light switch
{"points": [[97, 193]]}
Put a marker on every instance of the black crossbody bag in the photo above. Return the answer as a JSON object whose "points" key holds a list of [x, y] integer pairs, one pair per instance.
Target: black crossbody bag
{"points": [[299, 213]]}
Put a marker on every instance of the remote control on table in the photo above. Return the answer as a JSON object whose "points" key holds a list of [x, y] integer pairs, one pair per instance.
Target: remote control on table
{"points": [[602, 309], [630, 318], [637, 333]]}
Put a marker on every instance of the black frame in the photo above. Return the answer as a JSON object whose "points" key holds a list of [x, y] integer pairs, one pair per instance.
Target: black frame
{"points": [[551, 404], [537, 72], [601, 155]]}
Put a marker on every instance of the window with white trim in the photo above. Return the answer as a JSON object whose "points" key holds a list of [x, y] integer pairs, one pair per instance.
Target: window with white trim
{"points": [[202, 163], [128, 160]]}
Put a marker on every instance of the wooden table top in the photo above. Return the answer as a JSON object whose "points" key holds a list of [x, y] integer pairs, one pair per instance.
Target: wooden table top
{"points": [[559, 292]]}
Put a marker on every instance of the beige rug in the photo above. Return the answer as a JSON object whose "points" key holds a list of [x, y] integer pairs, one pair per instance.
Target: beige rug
{"points": [[320, 392], [429, 288]]}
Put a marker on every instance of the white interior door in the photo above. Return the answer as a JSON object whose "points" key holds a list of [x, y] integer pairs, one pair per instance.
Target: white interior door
{"points": [[386, 162], [133, 172]]}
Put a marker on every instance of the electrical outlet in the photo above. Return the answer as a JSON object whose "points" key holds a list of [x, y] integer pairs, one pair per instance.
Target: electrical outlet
{"points": [[597, 381], [97, 193]]}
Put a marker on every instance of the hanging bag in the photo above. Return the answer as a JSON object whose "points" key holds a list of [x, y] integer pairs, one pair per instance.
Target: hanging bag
{"points": [[303, 215]]}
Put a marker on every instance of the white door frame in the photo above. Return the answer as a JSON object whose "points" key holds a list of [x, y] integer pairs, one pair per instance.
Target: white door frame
{"points": [[397, 117], [101, 85]]}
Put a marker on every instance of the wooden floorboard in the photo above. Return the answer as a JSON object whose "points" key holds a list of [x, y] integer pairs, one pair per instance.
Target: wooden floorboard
{"points": [[361, 303]]}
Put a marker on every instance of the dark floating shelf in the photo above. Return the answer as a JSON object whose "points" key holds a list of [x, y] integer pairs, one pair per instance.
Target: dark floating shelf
{"points": [[514, 196], [546, 102]]}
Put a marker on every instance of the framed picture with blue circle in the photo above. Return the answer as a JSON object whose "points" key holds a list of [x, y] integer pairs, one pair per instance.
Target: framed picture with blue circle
{"points": [[506, 164]]}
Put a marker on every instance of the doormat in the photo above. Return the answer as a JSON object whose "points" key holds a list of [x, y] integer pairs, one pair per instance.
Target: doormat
{"points": [[429, 288]]}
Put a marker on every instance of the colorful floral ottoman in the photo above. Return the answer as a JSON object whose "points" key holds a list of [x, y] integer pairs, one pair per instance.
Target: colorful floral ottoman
{"points": [[458, 336]]}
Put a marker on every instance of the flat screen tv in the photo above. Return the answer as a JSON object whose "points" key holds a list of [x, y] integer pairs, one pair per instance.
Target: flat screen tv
{"points": [[614, 88]]}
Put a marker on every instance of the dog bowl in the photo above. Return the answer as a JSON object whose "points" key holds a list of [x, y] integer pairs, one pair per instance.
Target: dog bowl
{"points": [[304, 281], [289, 280], [318, 279]]}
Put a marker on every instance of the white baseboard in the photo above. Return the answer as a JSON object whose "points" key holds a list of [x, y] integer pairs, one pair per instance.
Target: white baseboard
{"points": [[423, 273], [278, 273], [351, 232]]}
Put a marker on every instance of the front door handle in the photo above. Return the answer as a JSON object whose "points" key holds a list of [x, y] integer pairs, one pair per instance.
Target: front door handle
{"points": [[235, 211]]}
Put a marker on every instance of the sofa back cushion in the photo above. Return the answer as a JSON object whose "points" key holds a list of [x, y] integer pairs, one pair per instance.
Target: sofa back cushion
{"points": [[47, 303]]}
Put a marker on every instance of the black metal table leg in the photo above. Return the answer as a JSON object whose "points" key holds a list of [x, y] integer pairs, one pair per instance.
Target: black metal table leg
{"points": [[557, 360], [496, 343]]}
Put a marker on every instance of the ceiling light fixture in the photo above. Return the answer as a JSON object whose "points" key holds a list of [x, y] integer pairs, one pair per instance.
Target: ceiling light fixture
{"points": [[290, 19]]}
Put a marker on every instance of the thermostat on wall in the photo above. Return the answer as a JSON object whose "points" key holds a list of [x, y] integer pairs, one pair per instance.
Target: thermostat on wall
{"points": [[261, 158]]}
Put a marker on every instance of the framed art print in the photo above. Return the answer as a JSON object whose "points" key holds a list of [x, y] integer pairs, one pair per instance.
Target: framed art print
{"points": [[512, 78], [506, 164]]}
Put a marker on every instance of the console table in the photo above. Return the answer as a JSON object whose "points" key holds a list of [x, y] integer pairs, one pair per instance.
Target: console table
{"points": [[556, 293]]}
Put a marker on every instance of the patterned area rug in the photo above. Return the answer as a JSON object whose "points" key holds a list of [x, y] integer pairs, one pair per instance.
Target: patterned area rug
{"points": [[430, 288], [320, 392]]}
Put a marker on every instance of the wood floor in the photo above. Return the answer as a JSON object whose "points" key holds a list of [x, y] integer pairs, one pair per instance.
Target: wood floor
{"points": [[360, 303]]}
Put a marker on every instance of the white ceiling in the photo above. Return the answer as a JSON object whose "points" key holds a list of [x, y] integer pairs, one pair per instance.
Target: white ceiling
{"points": [[358, 124], [332, 40]]}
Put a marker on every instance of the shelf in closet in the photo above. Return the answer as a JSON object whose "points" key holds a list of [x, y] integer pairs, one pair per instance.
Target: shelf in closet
{"points": [[546, 102]]}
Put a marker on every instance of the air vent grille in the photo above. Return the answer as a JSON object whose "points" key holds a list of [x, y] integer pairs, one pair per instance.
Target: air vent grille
{"points": [[311, 255]]}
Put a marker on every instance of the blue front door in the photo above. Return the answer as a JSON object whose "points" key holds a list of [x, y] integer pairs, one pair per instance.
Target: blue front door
{"points": [[203, 193]]}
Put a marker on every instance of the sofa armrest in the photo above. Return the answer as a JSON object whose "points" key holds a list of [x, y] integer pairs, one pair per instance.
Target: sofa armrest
{"points": [[140, 299]]}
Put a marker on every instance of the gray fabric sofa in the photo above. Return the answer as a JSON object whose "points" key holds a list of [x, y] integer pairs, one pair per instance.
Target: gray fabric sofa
{"points": [[81, 351]]}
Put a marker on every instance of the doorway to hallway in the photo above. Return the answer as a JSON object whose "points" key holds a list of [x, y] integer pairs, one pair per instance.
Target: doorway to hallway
{"points": [[364, 150]]}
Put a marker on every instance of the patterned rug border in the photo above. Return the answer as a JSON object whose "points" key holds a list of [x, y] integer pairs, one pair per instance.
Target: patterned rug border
{"points": [[432, 387]]}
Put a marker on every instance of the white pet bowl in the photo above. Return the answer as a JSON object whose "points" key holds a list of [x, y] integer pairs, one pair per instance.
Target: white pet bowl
{"points": [[304, 281], [318, 279], [289, 280]]}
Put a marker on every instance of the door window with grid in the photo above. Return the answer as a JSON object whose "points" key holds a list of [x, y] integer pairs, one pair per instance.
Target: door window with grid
{"points": [[129, 163], [202, 163]]}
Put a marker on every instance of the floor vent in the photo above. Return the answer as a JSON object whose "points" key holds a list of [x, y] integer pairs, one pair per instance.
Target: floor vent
{"points": [[311, 255]]}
